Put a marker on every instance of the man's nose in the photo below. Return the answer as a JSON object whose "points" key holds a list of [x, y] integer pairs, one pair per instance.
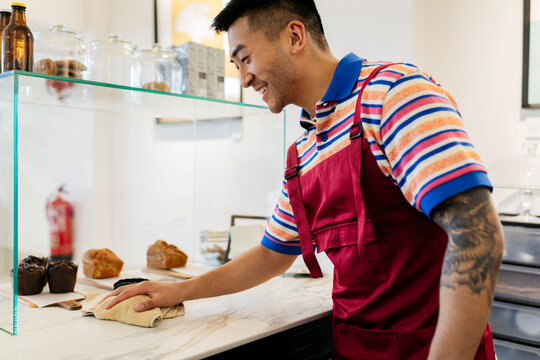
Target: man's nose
{"points": [[246, 78]]}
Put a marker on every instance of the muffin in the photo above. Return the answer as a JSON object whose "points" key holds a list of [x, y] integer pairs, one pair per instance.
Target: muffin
{"points": [[101, 264], [163, 255], [32, 275], [31, 259], [62, 276]]}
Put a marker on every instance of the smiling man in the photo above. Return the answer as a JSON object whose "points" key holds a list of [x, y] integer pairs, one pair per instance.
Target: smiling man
{"points": [[384, 179], [272, 72]]}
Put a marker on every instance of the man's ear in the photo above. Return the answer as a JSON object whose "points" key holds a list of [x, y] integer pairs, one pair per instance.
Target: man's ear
{"points": [[295, 33]]}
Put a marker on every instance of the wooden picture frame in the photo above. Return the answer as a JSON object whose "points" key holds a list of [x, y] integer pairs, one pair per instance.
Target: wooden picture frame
{"points": [[531, 54]]}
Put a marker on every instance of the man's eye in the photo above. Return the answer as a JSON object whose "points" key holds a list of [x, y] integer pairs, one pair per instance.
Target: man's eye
{"points": [[245, 58]]}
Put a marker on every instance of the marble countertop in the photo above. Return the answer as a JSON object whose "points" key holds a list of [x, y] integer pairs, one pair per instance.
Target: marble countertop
{"points": [[210, 326]]}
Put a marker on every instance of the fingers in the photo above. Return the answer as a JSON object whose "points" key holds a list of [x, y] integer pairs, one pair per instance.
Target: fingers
{"points": [[145, 305], [126, 292], [112, 293]]}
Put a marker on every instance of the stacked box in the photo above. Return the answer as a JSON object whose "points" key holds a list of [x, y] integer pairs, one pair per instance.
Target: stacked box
{"points": [[216, 73], [193, 59]]}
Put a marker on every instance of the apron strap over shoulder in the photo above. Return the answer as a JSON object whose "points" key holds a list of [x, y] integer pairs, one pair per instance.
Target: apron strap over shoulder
{"points": [[357, 129], [299, 210], [355, 153]]}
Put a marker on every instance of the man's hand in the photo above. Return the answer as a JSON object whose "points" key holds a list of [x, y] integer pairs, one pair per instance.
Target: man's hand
{"points": [[469, 273], [162, 294]]}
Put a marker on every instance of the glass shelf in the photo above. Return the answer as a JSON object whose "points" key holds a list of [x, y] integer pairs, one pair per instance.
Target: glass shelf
{"points": [[139, 165], [73, 93]]}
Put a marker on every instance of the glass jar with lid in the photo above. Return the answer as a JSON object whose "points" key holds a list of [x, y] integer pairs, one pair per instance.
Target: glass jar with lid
{"points": [[115, 61], [63, 48], [160, 70], [60, 52]]}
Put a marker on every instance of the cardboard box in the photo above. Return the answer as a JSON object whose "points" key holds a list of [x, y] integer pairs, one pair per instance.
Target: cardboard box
{"points": [[193, 60], [216, 73]]}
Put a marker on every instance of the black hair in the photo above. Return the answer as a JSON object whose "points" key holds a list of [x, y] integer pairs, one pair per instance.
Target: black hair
{"points": [[272, 16]]}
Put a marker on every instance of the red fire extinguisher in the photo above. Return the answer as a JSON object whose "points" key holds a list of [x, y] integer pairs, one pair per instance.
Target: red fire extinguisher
{"points": [[59, 215]]}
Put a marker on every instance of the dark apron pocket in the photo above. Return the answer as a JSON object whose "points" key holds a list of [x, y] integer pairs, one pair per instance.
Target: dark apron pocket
{"points": [[353, 342]]}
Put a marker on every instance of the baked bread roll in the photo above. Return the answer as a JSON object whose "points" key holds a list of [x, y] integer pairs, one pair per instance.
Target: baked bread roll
{"points": [[101, 264], [68, 72], [45, 66], [156, 85], [70, 64], [162, 255]]}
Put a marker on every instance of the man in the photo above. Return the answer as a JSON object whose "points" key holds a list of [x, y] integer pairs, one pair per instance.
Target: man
{"points": [[384, 180]]}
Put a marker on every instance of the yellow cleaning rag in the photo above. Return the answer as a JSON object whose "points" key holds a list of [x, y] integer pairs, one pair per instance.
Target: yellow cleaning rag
{"points": [[125, 311]]}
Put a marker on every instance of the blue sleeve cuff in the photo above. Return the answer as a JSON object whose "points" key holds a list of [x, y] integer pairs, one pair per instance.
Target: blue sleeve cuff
{"points": [[442, 192], [292, 247]]}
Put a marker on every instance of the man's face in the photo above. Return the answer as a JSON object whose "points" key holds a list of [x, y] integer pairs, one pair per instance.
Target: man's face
{"points": [[264, 65]]}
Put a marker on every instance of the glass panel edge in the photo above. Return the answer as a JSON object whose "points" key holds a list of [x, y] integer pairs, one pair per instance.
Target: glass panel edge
{"points": [[15, 202], [123, 87]]}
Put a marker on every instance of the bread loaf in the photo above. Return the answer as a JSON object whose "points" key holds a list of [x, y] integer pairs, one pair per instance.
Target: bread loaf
{"points": [[163, 255], [101, 263]]}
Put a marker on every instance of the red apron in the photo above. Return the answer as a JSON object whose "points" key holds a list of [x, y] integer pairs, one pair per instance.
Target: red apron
{"points": [[387, 255]]}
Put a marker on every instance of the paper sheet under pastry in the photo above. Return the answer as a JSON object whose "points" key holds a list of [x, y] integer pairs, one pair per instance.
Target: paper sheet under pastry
{"points": [[45, 298]]}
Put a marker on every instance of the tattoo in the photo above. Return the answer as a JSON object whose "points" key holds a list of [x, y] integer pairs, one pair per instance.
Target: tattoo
{"points": [[474, 253]]}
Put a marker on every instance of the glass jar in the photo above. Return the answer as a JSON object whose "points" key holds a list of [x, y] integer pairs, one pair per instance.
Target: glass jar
{"points": [[214, 245], [160, 70], [115, 61], [60, 52]]}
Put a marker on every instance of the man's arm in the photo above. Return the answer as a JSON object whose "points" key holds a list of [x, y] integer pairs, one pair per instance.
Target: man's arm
{"points": [[251, 268], [469, 273]]}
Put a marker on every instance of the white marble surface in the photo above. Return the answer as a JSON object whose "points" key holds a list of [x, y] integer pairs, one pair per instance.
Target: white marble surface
{"points": [[210, 326]]}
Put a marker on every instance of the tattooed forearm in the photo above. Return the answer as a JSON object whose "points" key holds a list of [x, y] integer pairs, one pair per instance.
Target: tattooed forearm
{"points": [[475, 241]]}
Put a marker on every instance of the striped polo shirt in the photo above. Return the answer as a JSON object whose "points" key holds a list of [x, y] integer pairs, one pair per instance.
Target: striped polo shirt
{"points": [[414, 131]]}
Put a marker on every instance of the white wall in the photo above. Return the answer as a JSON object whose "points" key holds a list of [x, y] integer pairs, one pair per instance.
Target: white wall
{"points": [[133, 19], [375, 30], [474, 49]]}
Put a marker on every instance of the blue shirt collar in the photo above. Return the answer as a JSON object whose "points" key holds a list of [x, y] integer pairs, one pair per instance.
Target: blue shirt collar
{"points": [[345, 78], [342, 84]]}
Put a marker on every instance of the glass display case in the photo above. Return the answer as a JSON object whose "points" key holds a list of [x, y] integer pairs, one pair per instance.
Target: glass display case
{"points": [[137, 165]]}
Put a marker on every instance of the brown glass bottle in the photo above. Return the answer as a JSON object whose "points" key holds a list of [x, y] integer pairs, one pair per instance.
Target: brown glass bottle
{"points": [[4, 21], [17, 42]]}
